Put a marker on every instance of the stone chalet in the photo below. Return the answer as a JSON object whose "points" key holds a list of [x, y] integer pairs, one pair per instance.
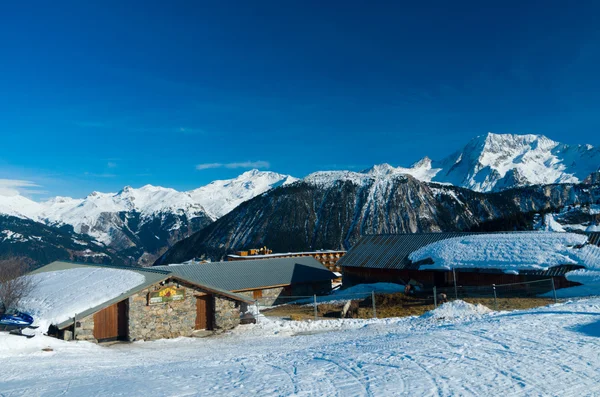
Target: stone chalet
{"points": [[185, 300]]}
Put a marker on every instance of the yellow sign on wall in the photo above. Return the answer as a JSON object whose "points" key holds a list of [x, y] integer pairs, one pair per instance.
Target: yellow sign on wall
{"points": [[166, 294]]}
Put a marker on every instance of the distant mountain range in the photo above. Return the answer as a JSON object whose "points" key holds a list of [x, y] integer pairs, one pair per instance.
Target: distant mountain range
{"points": [[495, 162], [140, 224], [326, 209]]}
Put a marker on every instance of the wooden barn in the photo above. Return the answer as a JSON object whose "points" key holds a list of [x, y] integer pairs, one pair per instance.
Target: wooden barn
{"points": [[385, 258]]}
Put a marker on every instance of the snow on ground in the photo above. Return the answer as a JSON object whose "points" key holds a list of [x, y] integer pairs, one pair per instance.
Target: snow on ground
{"points": [[58, 296], [457, 309], [546, 351], [509, 252]]}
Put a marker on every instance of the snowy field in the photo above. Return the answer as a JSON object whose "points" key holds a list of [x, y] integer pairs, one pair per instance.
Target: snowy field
{"points": [[458, 350]]}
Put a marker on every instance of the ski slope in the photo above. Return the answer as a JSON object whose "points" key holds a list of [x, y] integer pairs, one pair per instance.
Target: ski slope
{"points": [[548, 351]]}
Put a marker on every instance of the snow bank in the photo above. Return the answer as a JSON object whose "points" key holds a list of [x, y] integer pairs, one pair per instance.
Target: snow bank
{"points": [[273, 327], [59, 295], [509, 252], [12, 345], [457, 310]]}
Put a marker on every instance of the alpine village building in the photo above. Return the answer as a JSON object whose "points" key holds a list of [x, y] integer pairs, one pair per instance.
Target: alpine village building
{"points": [[189, 299]]}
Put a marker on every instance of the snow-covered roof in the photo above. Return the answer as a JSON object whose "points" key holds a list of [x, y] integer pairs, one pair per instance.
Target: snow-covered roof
{"points": [[57, 296], [512, 252], [64, 290]]}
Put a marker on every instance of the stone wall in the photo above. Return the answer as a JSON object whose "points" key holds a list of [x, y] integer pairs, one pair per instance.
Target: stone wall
{"points": [[227, 313], [85, 330], [165, 320]]}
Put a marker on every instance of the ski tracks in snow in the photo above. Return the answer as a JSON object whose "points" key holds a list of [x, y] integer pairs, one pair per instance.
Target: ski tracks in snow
{"points": [[540, 352]]}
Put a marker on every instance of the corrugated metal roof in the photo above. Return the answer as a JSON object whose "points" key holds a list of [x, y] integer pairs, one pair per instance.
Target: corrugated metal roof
{"points": [[253, 274], [391, 251], [151, 275], [594, 238]]}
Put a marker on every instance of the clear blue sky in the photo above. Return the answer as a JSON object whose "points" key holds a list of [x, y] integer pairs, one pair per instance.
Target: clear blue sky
{"points": [[95, 97]]}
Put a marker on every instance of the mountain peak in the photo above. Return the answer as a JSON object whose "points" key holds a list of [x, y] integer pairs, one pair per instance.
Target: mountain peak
{"points": [[425, 162], [126, 189], [380, 169]]}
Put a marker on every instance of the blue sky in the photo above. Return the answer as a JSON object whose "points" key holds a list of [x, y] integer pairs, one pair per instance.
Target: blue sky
{"points": [[99, 96]]}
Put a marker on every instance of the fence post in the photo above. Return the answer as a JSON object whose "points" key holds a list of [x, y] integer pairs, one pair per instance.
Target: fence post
{"points": [[257, 312], [373, 299], [554, 290], [316, 310], [75, 327], [435, 296], [455, 289], [495, 297]]}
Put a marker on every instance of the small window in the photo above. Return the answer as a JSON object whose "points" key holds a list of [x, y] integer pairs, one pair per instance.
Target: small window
{"points": [[257, 294]]}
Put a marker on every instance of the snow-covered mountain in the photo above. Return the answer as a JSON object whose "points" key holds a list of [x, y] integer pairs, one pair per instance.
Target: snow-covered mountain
{"points": [[332, 210], [495, 162], [142, 223], [92, 214], [220, 197]]}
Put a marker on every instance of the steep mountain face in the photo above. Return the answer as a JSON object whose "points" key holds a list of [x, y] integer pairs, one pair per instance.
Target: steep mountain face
{"points": [[37, 244], [495, 162], [140, 224], [331, 210]]}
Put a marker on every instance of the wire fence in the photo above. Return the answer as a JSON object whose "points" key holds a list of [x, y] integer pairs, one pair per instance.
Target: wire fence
{"points": [[411, 301]]}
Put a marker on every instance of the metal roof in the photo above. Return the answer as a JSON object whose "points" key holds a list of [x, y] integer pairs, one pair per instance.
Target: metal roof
{"points": [[151, 275], [253, 274], [391, 251], [594, 238]]}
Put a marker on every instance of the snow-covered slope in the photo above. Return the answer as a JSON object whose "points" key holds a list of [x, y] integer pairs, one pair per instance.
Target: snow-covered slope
{"points": [[220, 197], [19, 206]]}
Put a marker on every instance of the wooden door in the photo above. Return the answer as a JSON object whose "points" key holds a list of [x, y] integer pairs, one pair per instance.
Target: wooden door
{"points": [[111, 323], [106, 323], [204, 312]]}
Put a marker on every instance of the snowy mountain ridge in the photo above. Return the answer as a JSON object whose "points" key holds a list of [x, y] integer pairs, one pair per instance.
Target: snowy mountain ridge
{"points": [[146, 219], [220, 197], [490, 162]]}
